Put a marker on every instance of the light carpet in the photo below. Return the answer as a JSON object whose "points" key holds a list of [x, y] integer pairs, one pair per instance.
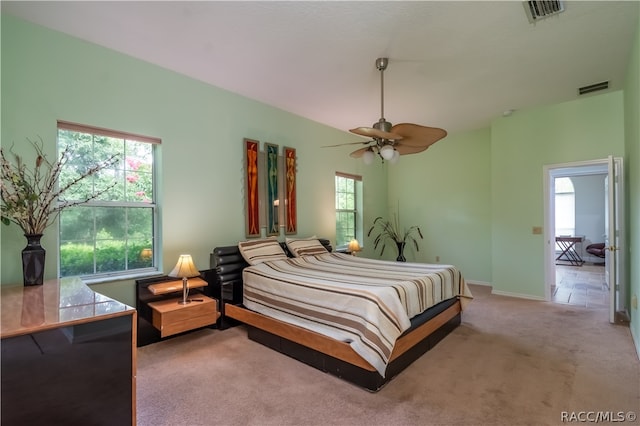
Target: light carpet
{"points": [[511, 362]]}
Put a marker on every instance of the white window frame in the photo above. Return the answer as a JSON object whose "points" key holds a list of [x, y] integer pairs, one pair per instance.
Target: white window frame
{"points": [[153, 205], [565, 206], [358, 211]]}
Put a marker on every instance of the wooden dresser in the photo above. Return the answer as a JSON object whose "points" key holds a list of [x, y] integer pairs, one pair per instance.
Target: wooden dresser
{"points": [[68, 356]]}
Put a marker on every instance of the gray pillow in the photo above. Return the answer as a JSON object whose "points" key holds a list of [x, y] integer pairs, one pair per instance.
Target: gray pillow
{"points": [[258, 251], [300, 247]]}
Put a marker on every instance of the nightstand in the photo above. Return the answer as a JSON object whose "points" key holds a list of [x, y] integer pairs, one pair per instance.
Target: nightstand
{"points": [[171, 317]]}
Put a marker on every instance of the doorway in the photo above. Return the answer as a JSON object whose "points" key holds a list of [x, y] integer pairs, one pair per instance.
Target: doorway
{"points": [[581, 278]]}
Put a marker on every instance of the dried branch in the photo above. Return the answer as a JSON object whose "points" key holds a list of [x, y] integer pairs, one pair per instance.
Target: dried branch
{"points": [[29, 196]]}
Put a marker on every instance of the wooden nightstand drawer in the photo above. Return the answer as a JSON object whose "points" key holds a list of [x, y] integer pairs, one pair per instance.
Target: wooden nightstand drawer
{"points": [[170, 317]]}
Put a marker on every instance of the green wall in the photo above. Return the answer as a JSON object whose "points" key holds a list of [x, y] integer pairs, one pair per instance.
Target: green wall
{"points": [[632, 137], [48, 76], [585, 129], [446, 191], [478, 195]]}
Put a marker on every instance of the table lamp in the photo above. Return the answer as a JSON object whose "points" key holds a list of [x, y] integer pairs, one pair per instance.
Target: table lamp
{"points": [[184, 269], [146, 254], [354, 246]]}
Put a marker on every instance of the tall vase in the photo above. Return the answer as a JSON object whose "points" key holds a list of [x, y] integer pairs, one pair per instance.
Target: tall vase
{"points": [[33, 260], [401, 257]]}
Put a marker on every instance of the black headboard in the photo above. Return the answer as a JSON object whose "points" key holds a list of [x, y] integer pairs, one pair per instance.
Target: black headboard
{"points": [[226, 266]]}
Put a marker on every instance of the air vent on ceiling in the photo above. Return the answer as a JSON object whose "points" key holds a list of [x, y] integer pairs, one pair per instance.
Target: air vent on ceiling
{"points": [[540, 9], [593, 87]]}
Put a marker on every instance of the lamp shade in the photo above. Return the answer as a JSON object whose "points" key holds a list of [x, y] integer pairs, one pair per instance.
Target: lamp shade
{"points": [[387, 152], [396, 156], [354, 245], [368, 157], [185, 268], [146, 253]]}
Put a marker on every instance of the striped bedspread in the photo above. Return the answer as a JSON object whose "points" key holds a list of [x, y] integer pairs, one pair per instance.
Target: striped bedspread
{"points": [[365, 302]]}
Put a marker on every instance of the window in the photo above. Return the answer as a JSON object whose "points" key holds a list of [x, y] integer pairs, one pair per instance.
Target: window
{"points": [[115, 233], [348, 209], [565, 200]]}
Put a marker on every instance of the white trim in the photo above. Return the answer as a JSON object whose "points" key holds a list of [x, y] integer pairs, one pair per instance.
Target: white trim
{"points": [[576, 168], [518, 295], [579, 168], [101, 279], [506, 293], [484, 283]]}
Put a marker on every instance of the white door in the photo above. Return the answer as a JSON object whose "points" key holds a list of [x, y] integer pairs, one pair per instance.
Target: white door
{"points": [[614, 260]]}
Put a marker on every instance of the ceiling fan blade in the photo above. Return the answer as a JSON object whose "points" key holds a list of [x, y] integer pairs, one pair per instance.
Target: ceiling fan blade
{"points": [[370, 132], [358, 152], [408, 149], [349, 143], [416, 135]]}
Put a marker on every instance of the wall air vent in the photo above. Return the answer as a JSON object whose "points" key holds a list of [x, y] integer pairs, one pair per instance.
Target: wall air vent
{"points": [[540, 9], [593, 88]]}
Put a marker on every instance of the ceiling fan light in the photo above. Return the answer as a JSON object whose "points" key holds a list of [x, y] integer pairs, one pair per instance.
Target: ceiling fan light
{"points": [[387, 152], [368, 157], [396, 156]]}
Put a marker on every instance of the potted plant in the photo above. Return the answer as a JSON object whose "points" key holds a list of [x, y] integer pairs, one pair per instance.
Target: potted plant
{"points": [[389, 231], [32, 199]]}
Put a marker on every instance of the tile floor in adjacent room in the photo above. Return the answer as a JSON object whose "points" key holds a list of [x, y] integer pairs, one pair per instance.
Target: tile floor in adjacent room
{"points": [[581, 285]]}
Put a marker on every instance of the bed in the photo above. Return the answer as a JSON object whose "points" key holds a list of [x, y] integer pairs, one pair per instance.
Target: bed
{"points": [[363, 320]]}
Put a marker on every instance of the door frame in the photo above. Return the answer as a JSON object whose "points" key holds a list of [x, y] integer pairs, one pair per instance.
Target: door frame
{"points": [[582, 168]]}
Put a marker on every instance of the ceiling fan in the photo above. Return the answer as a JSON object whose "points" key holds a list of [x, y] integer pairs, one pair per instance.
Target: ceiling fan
{"points": [[389, 141]]}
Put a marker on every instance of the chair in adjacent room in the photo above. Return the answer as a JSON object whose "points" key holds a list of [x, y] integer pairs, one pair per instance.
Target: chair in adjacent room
{"points": [[596, 249]]}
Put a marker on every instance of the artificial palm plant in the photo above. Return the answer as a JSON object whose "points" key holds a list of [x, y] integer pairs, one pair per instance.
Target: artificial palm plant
{"points": [[389, 231]]}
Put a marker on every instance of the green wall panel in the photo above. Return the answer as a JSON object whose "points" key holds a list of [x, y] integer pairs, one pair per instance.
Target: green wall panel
{"points": [[632, 138], [446, 191], [48, 76], [586, 129]]}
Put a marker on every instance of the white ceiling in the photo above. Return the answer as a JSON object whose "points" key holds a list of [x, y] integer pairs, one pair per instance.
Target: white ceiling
{"points": [[455, 65]]}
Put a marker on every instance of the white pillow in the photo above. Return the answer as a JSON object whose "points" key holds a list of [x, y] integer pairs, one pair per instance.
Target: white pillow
{"points": [[258, 251], [300, 247]]}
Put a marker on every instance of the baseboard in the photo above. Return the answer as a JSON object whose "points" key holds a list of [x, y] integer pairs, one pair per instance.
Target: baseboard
{"points": [[506, 293], [636, 341], [484, 283], [517, 295]]}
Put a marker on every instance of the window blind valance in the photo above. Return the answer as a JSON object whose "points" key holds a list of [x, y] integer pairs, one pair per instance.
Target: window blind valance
{"points": [[66, 125]]}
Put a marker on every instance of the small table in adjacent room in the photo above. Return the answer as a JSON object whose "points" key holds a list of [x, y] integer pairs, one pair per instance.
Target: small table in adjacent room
{"points": [[569, 253]]}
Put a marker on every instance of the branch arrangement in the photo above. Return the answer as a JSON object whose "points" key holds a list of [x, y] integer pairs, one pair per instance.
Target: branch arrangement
{"points": [[389, 230], [31, 198]]}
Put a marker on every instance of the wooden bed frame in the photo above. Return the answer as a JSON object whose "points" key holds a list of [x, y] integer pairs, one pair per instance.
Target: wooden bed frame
{"points": [[324, 353]]}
